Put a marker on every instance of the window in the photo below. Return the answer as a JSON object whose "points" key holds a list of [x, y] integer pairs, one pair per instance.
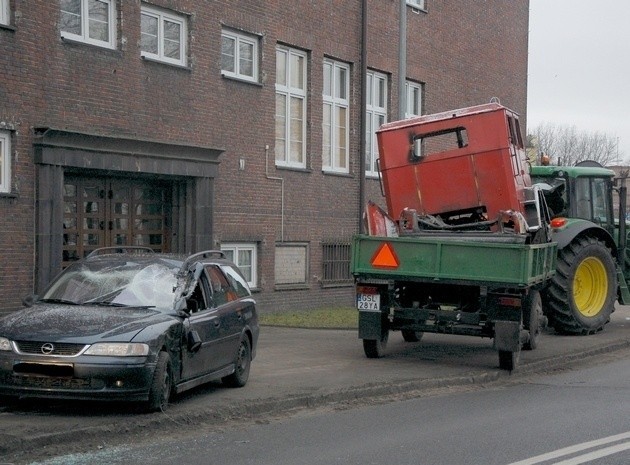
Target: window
{"points": [[335, 144], [290, 107], [5, 17], [414, 99], [243, 256], [239, 56], [376, 115], [291, 266], [336, 263], [419, 4], [592, 199], [89, 21], [5, 161], [163, 36]]}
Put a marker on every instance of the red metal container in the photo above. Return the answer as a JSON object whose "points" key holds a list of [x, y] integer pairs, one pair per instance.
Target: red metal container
{"points": [[454, 163]]}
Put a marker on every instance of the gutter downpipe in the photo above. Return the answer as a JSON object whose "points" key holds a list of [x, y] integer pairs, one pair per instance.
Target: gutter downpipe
{"points": [[363, 125], [402, 60]]}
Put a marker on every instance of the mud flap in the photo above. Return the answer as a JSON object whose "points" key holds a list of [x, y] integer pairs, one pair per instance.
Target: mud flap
{"points": [[507, 335], [370, 325]]}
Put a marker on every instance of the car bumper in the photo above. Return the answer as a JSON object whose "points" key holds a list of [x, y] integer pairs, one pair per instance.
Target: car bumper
{"points": [[85, 377]]}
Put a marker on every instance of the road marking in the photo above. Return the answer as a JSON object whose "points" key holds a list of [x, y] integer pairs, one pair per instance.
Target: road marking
{"points": [[579, 448], [595, 454]]}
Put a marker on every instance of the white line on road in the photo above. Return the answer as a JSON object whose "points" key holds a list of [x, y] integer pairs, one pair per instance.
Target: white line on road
{"points": [[597, 454], [578, 448]]}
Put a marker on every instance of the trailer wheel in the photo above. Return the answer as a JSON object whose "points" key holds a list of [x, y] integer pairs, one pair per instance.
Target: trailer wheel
{"points": [[532, 318], [410, 335], [581, 295], [375, 348], [508, 360]]}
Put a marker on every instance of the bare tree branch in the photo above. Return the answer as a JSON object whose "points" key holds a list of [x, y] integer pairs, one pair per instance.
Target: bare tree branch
{"points": [[566, 145]]}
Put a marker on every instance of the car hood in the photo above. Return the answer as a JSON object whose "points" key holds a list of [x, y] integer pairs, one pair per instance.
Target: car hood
{"points": [[70, 323]]}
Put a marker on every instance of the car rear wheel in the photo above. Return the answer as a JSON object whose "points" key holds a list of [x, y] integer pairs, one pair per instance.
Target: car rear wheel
{"points": [[162, 383], [241, 366]]}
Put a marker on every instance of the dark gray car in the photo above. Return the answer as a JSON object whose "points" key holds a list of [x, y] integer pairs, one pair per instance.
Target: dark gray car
{"points": [[131, 326]]}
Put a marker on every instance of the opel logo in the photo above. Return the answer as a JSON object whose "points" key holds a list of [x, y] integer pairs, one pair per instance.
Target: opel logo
{"points": [[47, 348]]}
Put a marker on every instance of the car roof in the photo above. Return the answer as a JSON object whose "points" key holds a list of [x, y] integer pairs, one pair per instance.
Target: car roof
{"points": [[114, 255]]}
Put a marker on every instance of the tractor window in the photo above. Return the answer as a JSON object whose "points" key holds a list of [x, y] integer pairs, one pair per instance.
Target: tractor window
{"points": [[583, 198], [600, 203], [592, 199]]}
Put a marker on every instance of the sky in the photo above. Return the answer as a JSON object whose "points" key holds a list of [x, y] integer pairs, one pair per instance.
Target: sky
{"points": [[579, 66]]}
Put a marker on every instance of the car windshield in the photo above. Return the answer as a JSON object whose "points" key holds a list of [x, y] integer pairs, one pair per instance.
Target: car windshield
{"points": [[131, 283]]}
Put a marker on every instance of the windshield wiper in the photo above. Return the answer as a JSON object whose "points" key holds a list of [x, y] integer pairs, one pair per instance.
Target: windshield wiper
{"points": [[58, 301]]}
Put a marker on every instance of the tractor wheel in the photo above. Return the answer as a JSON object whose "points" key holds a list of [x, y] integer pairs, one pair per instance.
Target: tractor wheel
{"points": [[532, 318], [410, 335], [375, 348], [581, 295]]}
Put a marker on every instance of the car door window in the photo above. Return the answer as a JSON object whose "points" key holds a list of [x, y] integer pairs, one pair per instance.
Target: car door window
{"points": [[221, 291], [237, 281], [197, 301]]}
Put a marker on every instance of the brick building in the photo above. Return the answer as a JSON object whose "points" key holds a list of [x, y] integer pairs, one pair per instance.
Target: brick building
{"points": [[186, 124]]}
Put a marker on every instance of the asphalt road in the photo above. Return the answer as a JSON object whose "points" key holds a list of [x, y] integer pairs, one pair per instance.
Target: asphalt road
{"points": [[571, 418], [296, 369]]}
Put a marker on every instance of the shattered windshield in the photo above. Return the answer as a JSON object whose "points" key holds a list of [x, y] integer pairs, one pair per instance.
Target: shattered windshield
{"points": [[147, 284]]}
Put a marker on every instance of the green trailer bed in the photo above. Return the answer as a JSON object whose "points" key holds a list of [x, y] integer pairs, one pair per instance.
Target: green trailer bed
{"points": [[453, 260]]}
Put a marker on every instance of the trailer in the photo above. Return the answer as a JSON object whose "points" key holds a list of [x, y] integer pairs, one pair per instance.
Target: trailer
{"points": [[465, 246]]}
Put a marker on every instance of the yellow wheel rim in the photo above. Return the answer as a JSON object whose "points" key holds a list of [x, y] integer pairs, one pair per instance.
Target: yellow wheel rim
{"points": [[590, 286]]}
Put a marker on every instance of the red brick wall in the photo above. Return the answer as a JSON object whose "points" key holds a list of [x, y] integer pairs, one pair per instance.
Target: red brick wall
{"points": [[464, 52]]}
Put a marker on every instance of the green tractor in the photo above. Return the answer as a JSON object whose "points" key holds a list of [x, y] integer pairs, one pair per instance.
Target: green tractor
{"points": [[591, 269]]}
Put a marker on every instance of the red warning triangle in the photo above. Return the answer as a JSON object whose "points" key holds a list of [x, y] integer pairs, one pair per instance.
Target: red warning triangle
{"points": [[385, 257]]}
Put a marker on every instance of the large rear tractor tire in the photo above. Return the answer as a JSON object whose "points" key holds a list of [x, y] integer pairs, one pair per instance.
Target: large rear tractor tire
{"points": [[581, 295]]}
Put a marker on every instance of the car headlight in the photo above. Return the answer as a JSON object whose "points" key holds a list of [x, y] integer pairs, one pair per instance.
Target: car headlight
{"points": [[118, 349], [5, 344]]}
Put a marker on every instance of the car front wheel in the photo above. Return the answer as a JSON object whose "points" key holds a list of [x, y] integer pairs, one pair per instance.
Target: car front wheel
{"points": [[162, 383]]}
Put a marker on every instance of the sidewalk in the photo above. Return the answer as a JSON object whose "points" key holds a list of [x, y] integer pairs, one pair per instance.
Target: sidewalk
{"points": [[300, 368]]}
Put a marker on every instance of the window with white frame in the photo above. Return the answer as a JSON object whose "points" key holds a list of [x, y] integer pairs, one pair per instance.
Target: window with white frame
{"points": [[163, 36], [419, 4], [414, 99], [290, 107], [5, 17], [239, 55], [376, 114], [89, 21], [5, 161], [245, 257], [336, 117]]}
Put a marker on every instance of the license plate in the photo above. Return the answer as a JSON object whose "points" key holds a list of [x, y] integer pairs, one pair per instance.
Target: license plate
{"points": [[369, 302]]}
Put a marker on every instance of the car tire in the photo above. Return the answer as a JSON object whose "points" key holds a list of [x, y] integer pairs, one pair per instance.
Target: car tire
{"points": [[242, 365], [161, 385]]}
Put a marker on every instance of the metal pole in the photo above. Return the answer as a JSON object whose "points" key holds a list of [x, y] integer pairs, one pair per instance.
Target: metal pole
{"points": [[402, 61], [363, 125]]}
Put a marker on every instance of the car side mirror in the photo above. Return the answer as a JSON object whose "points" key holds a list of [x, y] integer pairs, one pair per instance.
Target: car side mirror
{"points": [[194, 341]]}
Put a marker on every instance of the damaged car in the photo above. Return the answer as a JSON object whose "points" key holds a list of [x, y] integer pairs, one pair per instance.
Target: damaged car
{"points": [[129, 324]]}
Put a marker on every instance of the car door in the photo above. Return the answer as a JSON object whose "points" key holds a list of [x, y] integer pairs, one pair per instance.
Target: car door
{"points": [[226, 303], [204, 320]]}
